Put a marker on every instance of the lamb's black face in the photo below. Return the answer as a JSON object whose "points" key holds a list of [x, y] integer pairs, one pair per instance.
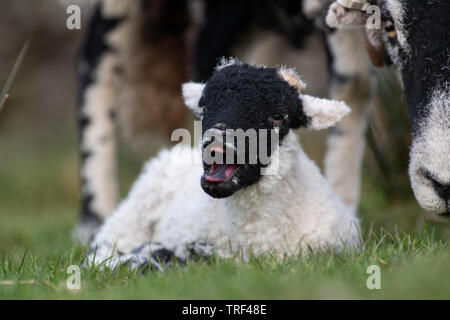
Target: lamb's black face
{"points": [[248, 98]]}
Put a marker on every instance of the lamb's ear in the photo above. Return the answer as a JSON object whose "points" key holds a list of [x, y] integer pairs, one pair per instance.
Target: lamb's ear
{"points": [[292, 78], [323, 113], [192, 92]]}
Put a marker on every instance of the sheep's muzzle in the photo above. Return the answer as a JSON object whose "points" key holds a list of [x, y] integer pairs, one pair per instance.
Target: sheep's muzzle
{"points": [[220, 172]]}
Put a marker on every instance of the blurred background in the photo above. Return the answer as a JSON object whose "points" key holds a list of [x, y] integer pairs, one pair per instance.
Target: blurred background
{"points": [[39, 183]]}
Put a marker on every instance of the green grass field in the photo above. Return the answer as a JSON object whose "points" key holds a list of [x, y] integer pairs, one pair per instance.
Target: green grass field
{"points": [[39, 198], [38, 210]]}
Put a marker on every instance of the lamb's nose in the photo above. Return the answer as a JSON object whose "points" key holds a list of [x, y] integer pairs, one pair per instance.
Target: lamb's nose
{"points": [[442, 189], [213, 135], [220, 126]]}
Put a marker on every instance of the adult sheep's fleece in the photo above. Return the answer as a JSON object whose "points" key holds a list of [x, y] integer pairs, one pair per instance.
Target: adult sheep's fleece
{"points": [[182, 205]]}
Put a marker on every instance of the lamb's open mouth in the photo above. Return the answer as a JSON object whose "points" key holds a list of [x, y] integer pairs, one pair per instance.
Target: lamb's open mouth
{"points": [[220, 172]]}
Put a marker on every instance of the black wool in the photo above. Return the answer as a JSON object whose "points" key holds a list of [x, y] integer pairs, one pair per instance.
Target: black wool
{"points": [[427, 66], [243, 97]]}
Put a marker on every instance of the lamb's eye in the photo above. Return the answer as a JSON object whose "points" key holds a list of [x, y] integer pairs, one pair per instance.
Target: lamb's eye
{"points": [[389, 27], [276, 119]]}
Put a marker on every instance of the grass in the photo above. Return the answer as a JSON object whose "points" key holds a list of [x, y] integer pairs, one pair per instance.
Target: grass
{"points": [[38, 210], [412, 266]]}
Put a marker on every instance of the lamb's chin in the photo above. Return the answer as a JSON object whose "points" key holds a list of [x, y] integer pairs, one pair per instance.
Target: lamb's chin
{"points": [[219, 189], [239, 177]]}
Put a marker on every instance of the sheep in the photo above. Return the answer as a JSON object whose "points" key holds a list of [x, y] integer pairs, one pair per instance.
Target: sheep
{"points": [[411, 38], [130, 68], [234, 209]]}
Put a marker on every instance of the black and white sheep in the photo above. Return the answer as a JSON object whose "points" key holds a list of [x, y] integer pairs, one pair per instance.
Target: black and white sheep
{"points": [[179, 208], [414, 37]]}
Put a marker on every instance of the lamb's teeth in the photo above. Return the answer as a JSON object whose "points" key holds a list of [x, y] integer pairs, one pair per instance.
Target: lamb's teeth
{"points": [[217, 149]]}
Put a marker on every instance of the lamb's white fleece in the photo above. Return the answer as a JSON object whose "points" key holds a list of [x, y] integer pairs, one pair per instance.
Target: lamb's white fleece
{"points": [[283, 213]]}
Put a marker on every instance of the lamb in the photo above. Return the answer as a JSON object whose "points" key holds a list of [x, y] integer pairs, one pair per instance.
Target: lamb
{"points": [[282, 207], [131, 65]]}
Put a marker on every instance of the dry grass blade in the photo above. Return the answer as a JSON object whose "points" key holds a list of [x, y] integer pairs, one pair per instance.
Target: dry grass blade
{"points": [[51, 285], [12, 74], [11, 282], [2, 102]]}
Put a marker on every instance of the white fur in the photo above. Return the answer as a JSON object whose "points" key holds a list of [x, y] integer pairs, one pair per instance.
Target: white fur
{"points": [[343, 168], [192, 92], [292, 77], [99, 169], [324, 113], [349, 52], [226, 62], [284, 213], [312, 8], [396, 10], [342, 18]]}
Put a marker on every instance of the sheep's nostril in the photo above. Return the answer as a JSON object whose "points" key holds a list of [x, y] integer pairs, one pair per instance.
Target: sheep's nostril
{"points": [[220, 126], [445, 192], [212, 135], [442, 189]]}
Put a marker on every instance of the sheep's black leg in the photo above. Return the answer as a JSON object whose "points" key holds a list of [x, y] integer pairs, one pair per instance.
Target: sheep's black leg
{"points": [[97, 67], [353, 81]]}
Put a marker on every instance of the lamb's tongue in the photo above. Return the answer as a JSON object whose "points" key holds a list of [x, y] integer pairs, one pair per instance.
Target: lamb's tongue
{"points": [[220, 172]]}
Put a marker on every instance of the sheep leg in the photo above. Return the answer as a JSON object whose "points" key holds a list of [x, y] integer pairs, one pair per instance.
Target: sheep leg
{"points": [[353, 82], [151, 255], [97, 75], [154, 256]]}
